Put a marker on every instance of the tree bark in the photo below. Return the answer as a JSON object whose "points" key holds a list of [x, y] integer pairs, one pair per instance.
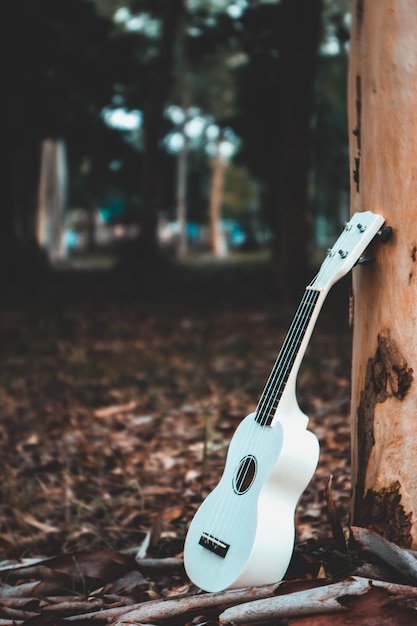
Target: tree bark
{"points": [[182, 81], [217, 242], [182, 172], [51, 200], [300, 35], [152, 127], [383, 160]]}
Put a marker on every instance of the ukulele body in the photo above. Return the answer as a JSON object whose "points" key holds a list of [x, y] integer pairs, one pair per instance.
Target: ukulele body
{"points": [[243, 532]]}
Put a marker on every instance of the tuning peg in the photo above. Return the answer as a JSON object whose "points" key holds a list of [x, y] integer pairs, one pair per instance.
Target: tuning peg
{"points": [[385, 234], [366, 260]]}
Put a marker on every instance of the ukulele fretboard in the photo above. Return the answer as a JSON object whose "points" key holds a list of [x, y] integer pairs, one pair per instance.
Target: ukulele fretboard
{"points": [[281, 371]]}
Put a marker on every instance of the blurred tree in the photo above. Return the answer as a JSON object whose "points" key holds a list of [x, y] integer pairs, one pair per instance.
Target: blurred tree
{"points": [[71, 62], [196, 56], [330, 189], [63, 73], [275, 96], [175, 70], [52, 198], [330, 143], [151, 97], [184, 87], [270, 50]]}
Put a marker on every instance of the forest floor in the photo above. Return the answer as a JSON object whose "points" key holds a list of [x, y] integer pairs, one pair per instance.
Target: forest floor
{"points": [[118, 397]]}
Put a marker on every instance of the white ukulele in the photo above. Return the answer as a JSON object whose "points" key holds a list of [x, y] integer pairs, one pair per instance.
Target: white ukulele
{"points": [[243, 533]]}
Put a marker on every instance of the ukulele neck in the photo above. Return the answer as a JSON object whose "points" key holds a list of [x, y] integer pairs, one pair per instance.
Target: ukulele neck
{"points": [[278, 399]]}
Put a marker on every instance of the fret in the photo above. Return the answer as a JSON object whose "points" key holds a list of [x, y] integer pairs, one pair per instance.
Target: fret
{"points": [[283, 366]]}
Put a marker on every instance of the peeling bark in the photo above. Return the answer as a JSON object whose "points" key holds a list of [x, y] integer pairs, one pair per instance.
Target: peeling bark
{"points": [[387, 375], [383, 512], [396, 373], [357, 133]]}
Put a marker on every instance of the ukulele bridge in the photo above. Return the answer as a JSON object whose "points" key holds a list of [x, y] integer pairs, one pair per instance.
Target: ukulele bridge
{"points": [[214, 545]]}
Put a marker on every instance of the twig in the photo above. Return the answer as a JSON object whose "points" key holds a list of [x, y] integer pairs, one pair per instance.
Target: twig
{"points": [[21, 601], [398, 558], [160, 565], [306, 602], [69, 607], [336, 526], [17, 614], [311, 601], [396, 589], [172, 607]]}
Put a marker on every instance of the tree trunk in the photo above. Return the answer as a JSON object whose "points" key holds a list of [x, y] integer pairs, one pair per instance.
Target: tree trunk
{"points": [[182, 172], [217, 241], [51, 205], [181, 67], [152, 126], [300, 36], [383, 155]]}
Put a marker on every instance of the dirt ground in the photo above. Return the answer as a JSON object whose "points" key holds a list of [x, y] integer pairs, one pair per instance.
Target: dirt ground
{"points": [[119, 395]]}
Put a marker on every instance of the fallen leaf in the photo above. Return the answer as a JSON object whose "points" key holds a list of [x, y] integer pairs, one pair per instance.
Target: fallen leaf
{"points": [[108, 411]]}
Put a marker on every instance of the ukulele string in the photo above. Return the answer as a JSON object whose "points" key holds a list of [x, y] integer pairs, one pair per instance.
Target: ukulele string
{"points": [[281, 367], [269, 396], [276, 366]]}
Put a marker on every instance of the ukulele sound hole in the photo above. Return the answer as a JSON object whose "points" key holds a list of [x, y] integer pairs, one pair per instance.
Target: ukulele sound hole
{"points": [[245, 474]]}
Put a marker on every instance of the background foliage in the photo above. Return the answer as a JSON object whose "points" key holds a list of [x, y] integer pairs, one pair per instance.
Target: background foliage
{"points": [[236, 64]]}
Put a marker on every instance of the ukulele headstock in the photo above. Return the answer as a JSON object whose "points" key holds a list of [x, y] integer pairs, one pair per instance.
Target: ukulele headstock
{"points": [[354, 239]]}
